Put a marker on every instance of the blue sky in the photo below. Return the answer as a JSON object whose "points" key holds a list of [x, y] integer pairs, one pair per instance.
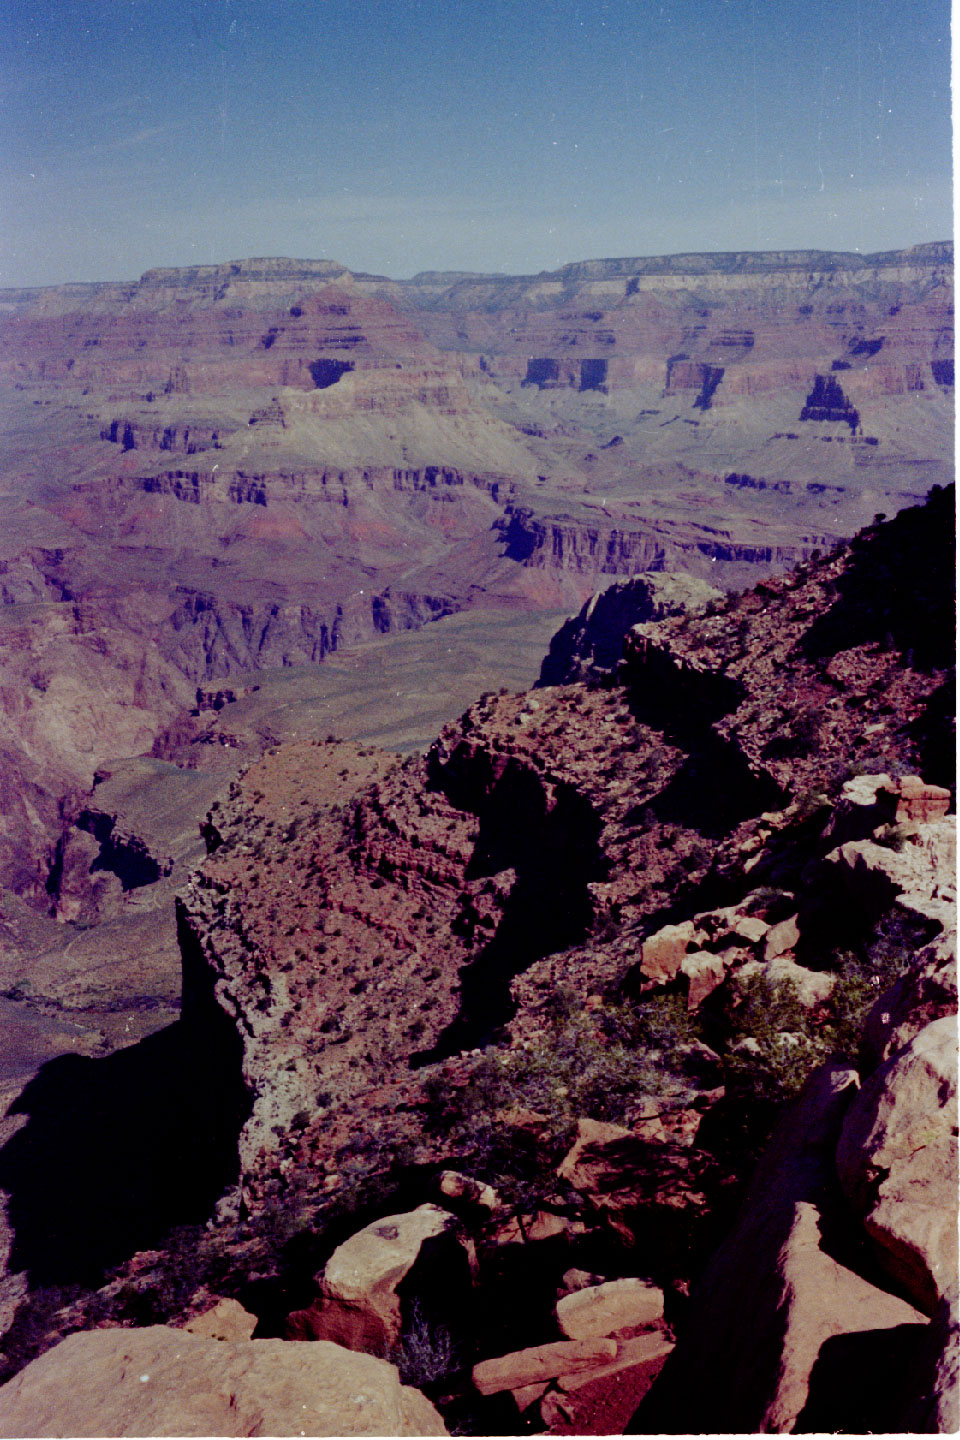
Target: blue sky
{"points": [[505, 135]]}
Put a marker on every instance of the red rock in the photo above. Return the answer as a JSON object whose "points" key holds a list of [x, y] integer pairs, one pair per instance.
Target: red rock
{"points": [[897, 1162], [609, 1308], [703, 972], [227, 1320], [157, 1381], [649, 1350], [359, 1306], [918, 800], [773, 1297], [662, 953], [541, 1362]]}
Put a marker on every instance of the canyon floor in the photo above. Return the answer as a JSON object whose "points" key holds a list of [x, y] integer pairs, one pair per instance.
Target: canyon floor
{"points": [[267, 530]]}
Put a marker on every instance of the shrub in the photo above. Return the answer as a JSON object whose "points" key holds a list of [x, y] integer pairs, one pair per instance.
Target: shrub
{"points": [[425, 1353]]}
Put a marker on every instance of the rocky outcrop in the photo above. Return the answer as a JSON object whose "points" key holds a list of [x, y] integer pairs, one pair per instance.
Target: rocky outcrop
{"points": [[158, 1381], [616, 546], [776, 1304], [590, 644], [897, 1162]]}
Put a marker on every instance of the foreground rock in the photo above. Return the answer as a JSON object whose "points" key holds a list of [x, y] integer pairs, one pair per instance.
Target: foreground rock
{"points": [[168, 1382], [897, 1161], [782, 1335], [417, 1256], [609, 1308], [542, 1362]]}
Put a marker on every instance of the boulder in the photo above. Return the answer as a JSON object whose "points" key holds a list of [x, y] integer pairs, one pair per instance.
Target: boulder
{"points": [[926, 992], [159, 1381], [703, 973], [633, 1350], [812, 987], [455, 1186], [365, 1282], [936, 1410], [575, 1279], [528, 1395], [781, 938], [609, 1308], [866, 801], [897, 1162], [227, 1320], [749, 927], [541, 1362], [531, 1229], [601, 1401], [774, 1300], [916, 800], [920, 877], [662, 953]]}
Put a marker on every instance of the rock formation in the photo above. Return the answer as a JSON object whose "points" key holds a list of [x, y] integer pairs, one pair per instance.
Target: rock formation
{"points": [[520, 1011], [158, 1381]]}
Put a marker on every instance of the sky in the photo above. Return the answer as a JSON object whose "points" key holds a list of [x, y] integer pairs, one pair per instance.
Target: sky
{"points": [[492, 135]]}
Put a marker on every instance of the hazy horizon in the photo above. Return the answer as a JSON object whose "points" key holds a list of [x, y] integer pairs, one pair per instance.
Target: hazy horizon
{"points": [[503, 137]]}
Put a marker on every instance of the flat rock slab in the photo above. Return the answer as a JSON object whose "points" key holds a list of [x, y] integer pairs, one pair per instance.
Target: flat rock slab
{"points": [[541, 1362], [605, 1309], [159, 1381]]}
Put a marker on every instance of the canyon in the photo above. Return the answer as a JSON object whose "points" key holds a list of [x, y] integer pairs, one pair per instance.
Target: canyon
{"points": [[555, 1063], [282, 551]]}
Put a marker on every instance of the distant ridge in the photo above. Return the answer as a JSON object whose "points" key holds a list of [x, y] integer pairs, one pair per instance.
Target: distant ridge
{"points": [[280, 269]]}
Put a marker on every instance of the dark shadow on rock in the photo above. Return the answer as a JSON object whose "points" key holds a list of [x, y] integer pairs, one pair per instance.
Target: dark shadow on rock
{"points": [[860, 1383], [552, 844], [715, 790], [897, 589], [118, 1150]]}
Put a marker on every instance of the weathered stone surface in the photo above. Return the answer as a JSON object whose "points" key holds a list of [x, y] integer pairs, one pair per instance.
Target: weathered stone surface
{"points": [[811, 986], [606, 1309], [703, 972], [531, 1229], [464, 1187], [926, 992], [920, 877], [359, 1305], [936, 1410], [750, 927], [227, 1320], [897, 1162], [623, 1173], [865, 802], [781, 938], [541, 1362], [918, 800], [158, 1381], [528, 1395], [634, 1350], [662, 953], [591, 642], [601, 1401], [575, 1279], [773, 1297]]}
